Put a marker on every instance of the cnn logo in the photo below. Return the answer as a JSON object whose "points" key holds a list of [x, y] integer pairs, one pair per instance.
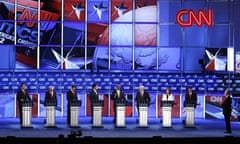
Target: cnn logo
{"points": [[216, 99], [199, 18]]}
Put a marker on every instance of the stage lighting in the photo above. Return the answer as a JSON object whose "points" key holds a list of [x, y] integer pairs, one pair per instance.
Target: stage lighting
{"points": [[77, 133]]}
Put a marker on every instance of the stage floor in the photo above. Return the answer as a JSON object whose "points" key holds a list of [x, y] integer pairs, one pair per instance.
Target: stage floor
{"points": [[204, 128]]}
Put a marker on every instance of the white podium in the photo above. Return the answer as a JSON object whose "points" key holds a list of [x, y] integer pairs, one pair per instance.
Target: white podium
{"points": [[50, 113], [189, 107], [167, 113], [74, 113], [190, 114], [167, 116], [120, 113], [26, 115], [97, 114], [143, 115]]}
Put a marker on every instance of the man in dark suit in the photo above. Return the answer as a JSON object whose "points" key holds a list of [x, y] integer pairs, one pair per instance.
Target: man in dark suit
{"points": [[227, 110], [51, 96], [142, 95], [71, 97], [94, 95], [117, 94], [191, 96], [22, 96]]}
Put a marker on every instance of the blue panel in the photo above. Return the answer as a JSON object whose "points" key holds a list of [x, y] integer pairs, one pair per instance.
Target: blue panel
{"points": [[74, 33], [168, 11], [219, 36], [170, 35], [7, 56], [121, 34], [221, 11], [196, 36], [121, 58], [169, 59], [98, 11], [194, 5], [191, 57]]}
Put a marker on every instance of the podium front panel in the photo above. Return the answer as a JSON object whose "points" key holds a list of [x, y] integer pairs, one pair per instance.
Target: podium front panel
{"points": [[97, 116], [27, 116], [167, 116], [120, 116], [74, 115], [143, 116], [50, 113], [190, 114]]}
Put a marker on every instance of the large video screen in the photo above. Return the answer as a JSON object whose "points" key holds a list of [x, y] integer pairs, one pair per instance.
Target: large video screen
{"points": [[115, 35]]}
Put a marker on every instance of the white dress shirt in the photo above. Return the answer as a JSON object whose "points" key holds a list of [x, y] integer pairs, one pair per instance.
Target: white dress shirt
{"points": [[118, 93], [170, 97]]}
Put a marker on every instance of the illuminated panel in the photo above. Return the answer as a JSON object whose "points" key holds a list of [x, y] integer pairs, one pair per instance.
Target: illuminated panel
{"points": [[121, 58], [145, 58], [7, 22], [74, 10], [73, 57], [97, 58], [98, 11], [169, 59], [51, 58], [50, 10], [121, 11], [74, 34]]}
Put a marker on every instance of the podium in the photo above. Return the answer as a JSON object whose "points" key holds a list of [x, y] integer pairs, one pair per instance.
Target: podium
{"points": [[190, 113], [143, 114], [97, 113], [167, 113], [74, 112], [50, 113], [26, 114], [120, 113]]}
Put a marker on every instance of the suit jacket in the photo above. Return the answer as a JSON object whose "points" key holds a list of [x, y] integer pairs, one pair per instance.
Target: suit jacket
{"points": [[115, 95], [145, 97], [227, 106], [93, 96], [49, 98], [71, 97], [22, 97], [193, 98]]}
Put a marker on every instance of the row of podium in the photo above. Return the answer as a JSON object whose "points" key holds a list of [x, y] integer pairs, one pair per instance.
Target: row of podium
{"points": [[120, 114]]}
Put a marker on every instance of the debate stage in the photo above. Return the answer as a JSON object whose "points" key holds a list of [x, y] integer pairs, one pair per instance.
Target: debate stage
{"points": [[206, 130]]}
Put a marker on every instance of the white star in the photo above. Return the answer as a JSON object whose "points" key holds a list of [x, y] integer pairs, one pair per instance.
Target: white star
{"points": [[120, 9], [78, 9], [99, 9]]}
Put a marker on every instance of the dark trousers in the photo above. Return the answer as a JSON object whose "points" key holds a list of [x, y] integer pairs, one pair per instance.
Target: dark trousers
{"points": [[227, 122], [68, 114], [92, 114], [20, 114], [115, 114]]}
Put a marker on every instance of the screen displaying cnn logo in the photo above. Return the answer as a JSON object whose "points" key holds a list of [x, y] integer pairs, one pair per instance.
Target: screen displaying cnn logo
{"points": [[187, 18]]}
